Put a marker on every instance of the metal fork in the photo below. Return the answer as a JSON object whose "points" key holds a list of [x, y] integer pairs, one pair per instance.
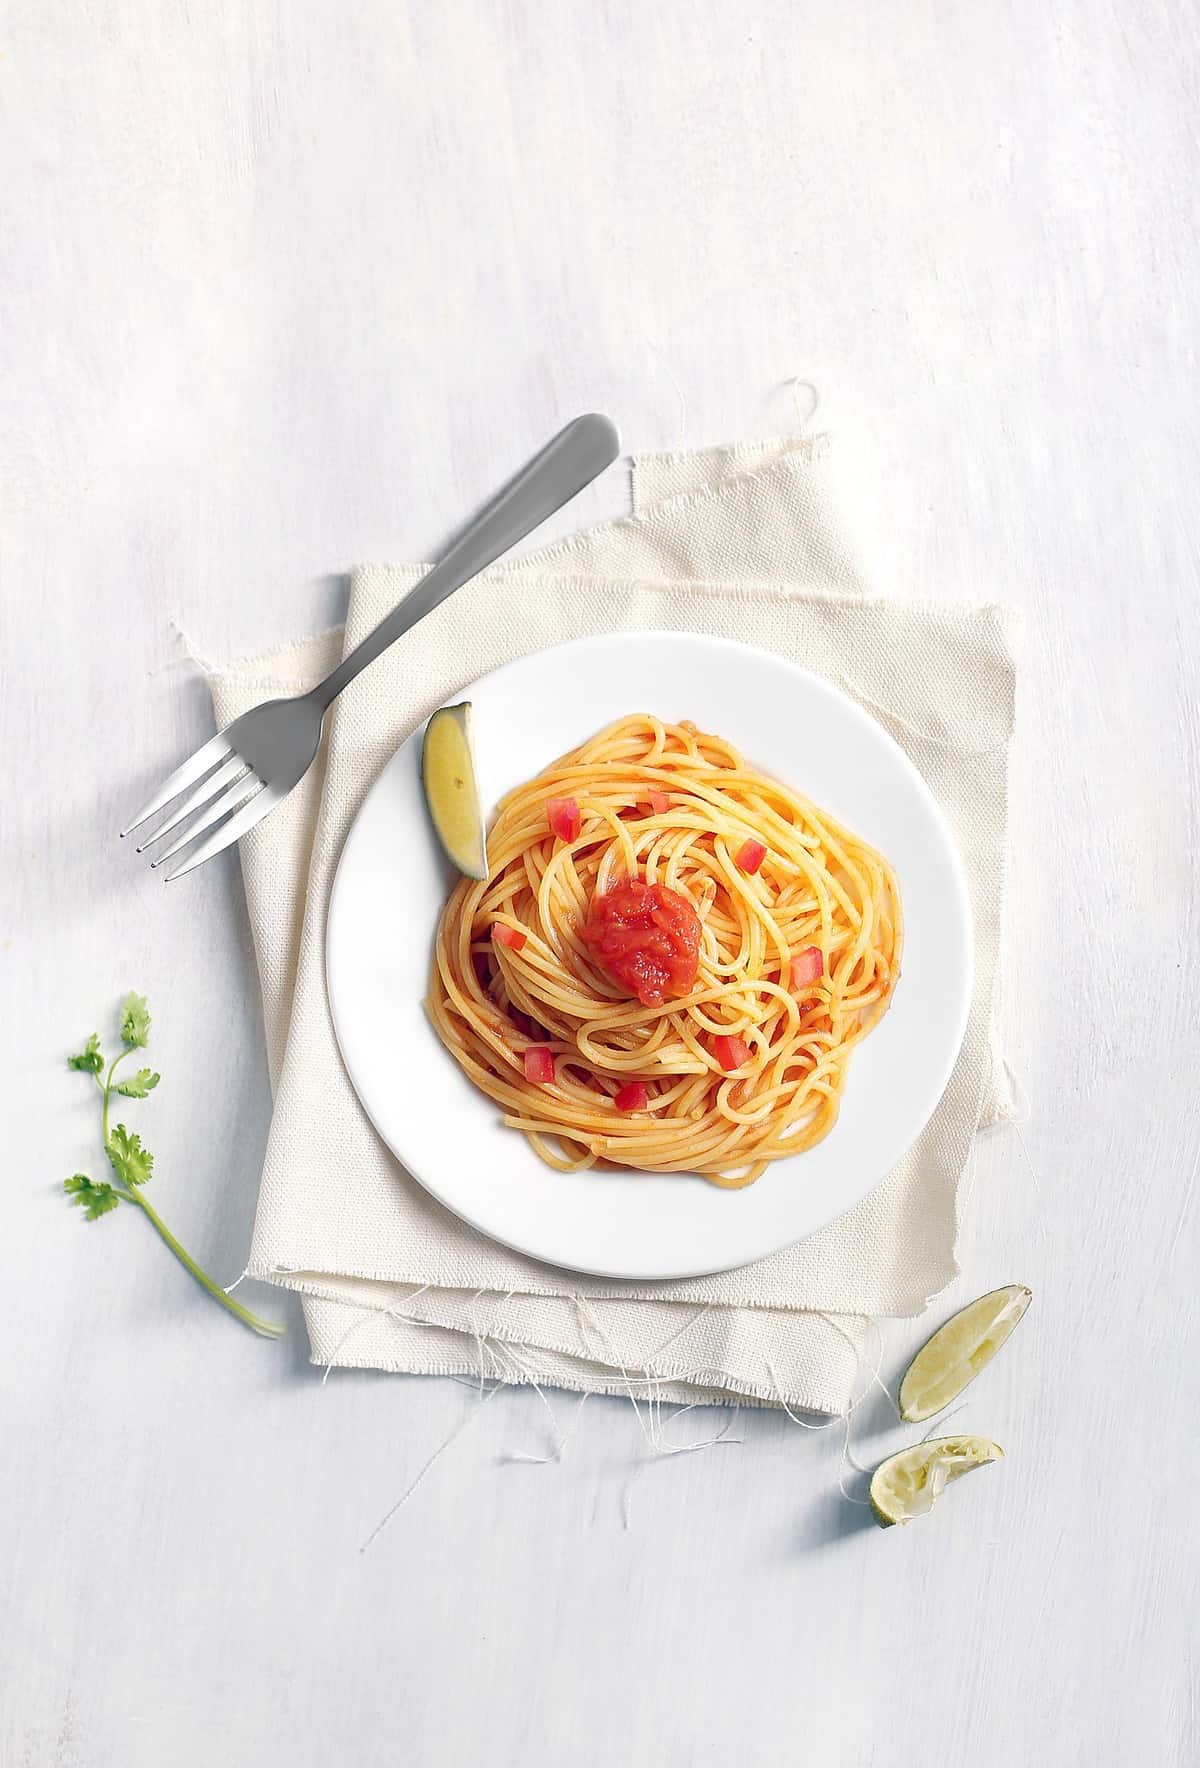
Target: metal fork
{"points": [[239, 776]]}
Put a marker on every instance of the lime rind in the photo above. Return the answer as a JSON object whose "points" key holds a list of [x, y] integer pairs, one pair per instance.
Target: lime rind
{"points": [[960, 1350]]}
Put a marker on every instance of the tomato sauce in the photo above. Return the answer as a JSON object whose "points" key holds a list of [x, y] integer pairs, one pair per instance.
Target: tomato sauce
{"points": [[647, 938]]}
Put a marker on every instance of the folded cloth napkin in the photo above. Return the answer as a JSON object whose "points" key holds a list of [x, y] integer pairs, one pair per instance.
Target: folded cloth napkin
{"points": [[743, 541]]}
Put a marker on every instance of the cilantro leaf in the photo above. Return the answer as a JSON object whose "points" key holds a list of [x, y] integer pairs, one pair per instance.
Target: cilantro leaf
{"points": [[95, 1200], [135, 1022], [89, 1060], [137, 1085], [132, 1163]]}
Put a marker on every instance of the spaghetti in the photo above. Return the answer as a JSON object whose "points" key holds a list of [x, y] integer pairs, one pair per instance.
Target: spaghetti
{"points": [[638, 1049]]}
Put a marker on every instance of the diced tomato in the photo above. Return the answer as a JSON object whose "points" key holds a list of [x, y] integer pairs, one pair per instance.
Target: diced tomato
{"points": [[750, 855], [660, 803], [539, 1065], [631, 1097], [731, 1051], [564, 818], [512, 937], [807, 966]]}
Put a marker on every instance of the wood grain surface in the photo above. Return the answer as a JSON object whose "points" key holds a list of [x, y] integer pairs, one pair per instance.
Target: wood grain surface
{"points": [[285, 287]]}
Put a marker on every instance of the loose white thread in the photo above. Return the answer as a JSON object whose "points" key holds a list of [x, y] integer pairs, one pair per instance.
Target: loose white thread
{"points": [[1021, 1106], [588, 1321], [477, 1336], [655, 1433], [573, 1426], [670, 373], [694, 1320], [391, 1313], [941, 1423], [805, 417], [649, 1381], [1020, 1109], [651, 1426], [804, 1423], [230, 1287], [587, 1314], [470, 1418], [931, 739], [875, 1377], [559, 1440], [847, 1456], [190, 655], [665, 1449], [1033, 1171], [848, 1459]]}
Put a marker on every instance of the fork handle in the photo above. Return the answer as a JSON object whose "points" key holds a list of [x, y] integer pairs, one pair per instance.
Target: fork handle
{"points": [[565, 465]]}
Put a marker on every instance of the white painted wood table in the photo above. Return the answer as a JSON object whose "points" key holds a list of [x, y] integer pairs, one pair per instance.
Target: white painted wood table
{"points": [[286, 287]]}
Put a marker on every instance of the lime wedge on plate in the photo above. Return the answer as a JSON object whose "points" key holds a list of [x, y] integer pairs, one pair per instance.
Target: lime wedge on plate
{"points": [[448, 775], [910, 1483], [959, 1350]]}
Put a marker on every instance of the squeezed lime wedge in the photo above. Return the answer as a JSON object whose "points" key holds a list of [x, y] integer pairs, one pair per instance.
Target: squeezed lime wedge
{"points": [[958, 1351], [448, 775], [910, 1483]]}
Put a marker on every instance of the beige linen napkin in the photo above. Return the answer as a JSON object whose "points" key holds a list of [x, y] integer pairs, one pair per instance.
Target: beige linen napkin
{"points": [[747, 542]]}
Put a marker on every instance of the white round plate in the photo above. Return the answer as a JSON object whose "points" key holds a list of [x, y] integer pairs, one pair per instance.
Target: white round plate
{"points": [[392, 881]]}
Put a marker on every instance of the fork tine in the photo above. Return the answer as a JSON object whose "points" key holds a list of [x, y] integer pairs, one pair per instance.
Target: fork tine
{"points": [[206, 757], [252, 812], [229, 773], [248, 786]]}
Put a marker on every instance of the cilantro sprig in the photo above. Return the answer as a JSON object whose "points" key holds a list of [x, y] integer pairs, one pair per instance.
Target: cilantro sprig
{"points": [[133, 1164]]}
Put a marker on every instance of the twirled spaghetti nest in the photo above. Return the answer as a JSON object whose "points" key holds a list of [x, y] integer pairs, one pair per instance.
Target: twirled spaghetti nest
{"points": [[819, 890]]}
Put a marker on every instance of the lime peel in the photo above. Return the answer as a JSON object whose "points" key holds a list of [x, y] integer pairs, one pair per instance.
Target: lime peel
{"points": [[957, 1352]]}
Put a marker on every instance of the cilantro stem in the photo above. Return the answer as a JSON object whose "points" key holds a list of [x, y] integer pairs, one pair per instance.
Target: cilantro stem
{"points": [[105, 1086], [132, 1164], [265, 1328]]}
